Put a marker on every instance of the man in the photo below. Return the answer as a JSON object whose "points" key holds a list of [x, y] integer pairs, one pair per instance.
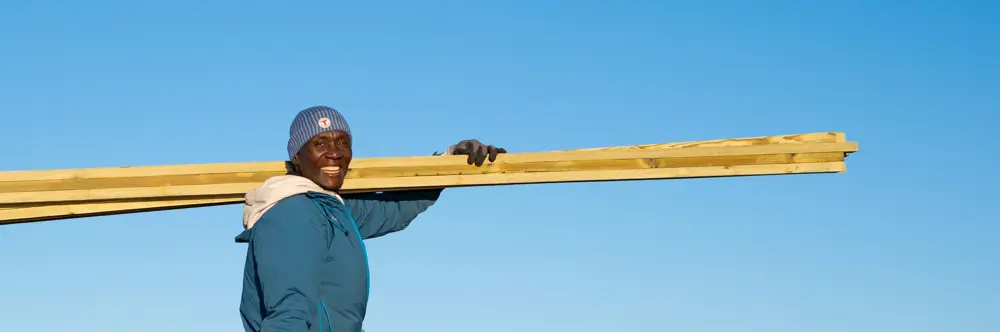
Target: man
{"points": [[306, 266]]}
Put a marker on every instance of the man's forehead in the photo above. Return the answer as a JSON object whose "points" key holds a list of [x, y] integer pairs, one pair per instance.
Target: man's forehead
{"points": [[332, 135]]}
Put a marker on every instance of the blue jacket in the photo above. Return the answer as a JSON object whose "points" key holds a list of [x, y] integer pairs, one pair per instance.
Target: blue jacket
{"points": [[306, 265]]}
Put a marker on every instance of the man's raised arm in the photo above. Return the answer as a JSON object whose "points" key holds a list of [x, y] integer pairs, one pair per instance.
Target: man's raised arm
{"points": [[378, 214]]}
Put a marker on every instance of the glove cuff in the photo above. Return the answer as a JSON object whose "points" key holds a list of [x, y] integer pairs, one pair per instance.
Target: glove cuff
{"points": [[447, 152]]}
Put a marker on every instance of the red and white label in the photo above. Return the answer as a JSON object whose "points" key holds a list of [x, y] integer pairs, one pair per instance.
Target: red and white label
{"points": [[324, 123]]}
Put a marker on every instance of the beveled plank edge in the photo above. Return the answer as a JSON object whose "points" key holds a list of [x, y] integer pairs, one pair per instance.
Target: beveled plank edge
{"points": [[570, 156], [813, 137]]}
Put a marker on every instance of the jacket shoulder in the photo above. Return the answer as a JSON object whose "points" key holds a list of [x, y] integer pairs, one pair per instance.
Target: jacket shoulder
{"points": [[298, 211], [295, 205]]}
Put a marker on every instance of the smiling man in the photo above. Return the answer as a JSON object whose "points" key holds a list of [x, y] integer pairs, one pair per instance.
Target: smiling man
{"points": [[306, 266]]}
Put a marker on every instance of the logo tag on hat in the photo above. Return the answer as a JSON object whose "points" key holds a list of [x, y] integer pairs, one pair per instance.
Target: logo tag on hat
{"points": [[324, 123]]}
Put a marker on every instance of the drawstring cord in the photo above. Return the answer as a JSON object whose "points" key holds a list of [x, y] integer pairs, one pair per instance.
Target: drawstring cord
{"points": [[319, 305]]}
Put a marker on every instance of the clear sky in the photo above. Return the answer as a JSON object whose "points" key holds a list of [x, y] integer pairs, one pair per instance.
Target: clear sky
{"points": [[906, 240]]}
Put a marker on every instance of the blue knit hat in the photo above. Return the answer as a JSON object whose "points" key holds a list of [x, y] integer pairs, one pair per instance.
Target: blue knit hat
{"points": [[311, 122]]}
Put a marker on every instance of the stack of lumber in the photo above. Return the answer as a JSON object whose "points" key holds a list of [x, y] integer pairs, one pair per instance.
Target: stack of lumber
{"points": [[31, 196]]}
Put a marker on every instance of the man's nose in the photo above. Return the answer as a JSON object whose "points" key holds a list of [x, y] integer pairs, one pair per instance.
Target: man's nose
{"points": [[333, 154]]}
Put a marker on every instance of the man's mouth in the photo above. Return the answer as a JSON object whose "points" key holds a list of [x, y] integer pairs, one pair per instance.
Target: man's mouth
{"points": [[331, 170]]}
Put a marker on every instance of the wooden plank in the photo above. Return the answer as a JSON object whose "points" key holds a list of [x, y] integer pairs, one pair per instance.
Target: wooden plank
{"points": [[60, 194], [385, 167], [58, 212], [386, 173], [69, 211], [278, 166]]}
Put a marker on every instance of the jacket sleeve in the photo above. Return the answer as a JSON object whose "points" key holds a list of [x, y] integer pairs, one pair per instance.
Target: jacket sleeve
{"points": [[289, 243], [378, 214]]}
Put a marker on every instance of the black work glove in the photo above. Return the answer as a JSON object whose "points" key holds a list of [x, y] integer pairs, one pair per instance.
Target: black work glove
{"points": [[477, 152]]}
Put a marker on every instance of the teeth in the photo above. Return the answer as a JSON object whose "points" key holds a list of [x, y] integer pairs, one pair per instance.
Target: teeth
{"points": [[331, 169]]}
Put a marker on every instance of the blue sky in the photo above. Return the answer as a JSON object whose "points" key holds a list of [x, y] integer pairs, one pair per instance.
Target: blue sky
{"points": [[904, 241]]}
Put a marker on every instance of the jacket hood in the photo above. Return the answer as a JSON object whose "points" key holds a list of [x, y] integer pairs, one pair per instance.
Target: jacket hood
{"points": [[259, 200]]}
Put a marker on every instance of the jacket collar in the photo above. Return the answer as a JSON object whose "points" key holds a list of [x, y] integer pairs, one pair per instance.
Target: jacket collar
{"points": [[274, 189]]}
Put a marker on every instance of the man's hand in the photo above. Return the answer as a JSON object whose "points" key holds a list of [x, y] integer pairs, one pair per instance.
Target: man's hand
{"points": [[477, 152]]}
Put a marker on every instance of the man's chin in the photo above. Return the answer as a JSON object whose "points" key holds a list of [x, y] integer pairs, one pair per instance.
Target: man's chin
{"points": [[331, 185]]}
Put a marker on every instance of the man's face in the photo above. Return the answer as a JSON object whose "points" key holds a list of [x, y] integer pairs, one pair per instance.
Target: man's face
{"points": [[325, 158]]}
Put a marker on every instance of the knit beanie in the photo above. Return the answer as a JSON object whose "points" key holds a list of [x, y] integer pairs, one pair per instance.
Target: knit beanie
{"points": [[311, 122]]}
